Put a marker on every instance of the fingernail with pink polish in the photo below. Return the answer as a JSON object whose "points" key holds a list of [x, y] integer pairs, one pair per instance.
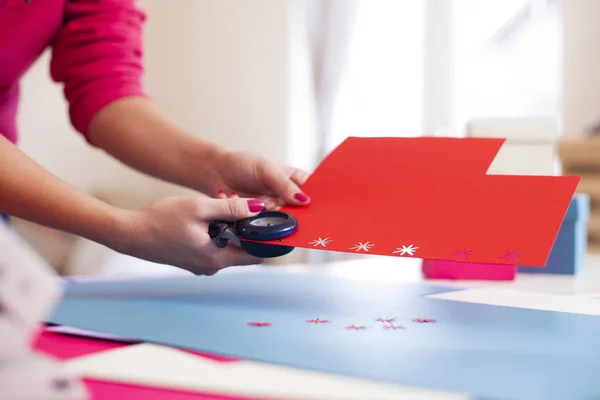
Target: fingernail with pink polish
{"points": [[256, 205], [220, 192], [301, 197], [234, 194]]}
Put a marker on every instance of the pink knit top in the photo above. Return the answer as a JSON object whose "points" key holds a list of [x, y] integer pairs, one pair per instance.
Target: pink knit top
{"points": [[96, 53]]}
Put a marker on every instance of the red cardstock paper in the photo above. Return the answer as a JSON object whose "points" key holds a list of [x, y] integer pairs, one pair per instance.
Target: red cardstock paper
{"points": [[429, 198]]}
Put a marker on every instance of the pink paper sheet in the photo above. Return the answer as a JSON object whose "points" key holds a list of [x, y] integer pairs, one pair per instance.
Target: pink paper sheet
{"points": [[115, 391], [69, 346], [65, 347]]}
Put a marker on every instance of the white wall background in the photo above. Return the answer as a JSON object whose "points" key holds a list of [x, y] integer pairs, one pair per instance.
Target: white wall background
{"points": [[581, 65], [235, 72], [230, 71]]}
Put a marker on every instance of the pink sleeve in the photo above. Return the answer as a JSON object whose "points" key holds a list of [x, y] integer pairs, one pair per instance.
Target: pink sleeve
{"points": [[97, 55]]}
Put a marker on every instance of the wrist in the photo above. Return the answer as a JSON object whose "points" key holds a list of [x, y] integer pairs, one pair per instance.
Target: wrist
{"points": [[110, 226], [206, 161]]}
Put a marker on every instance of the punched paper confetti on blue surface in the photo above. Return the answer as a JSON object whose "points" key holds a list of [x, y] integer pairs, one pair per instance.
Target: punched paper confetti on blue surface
{"points": [[498, 352]]}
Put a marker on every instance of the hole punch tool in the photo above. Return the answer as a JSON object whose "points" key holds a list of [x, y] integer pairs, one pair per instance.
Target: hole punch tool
{"points": [[249, 232]]}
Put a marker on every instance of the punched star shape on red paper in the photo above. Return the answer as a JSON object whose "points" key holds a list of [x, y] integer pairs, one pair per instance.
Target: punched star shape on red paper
{"points": [[360, 246], [320, 242], [438, 197], [410, 250], [462, 254], [511, 255]]}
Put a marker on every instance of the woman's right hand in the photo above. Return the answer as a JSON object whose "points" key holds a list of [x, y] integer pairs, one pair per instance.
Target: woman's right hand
{"points": [[170, 231], [175, 231]]}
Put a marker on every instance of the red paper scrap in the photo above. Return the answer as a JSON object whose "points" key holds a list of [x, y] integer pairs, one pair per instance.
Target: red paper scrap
{"points": [[392, 326], [379, 319], [424, 320], [429, 198], [356, 327], [261, 324], [318, 321]]}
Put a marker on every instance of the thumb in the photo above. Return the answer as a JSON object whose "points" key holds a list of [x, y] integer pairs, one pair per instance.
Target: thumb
{"points": [[285, 187], [234, 208]]}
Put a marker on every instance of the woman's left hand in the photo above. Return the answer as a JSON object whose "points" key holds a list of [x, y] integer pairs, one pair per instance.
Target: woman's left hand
{"points": [[252, 176]]}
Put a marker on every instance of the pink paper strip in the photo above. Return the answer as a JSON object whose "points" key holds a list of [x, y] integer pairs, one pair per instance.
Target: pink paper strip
{"points": [[115, 391], [65, 347], [441, 269], [69, 346]]}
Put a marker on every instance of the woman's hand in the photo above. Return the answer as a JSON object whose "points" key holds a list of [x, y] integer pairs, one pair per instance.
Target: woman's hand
{"points": [[252, 176], [171, 231], [175, 231], [124, 127]]}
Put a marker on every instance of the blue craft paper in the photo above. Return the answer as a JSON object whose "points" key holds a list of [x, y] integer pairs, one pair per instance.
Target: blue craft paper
{"points": [[282, 290], [497, 352]]}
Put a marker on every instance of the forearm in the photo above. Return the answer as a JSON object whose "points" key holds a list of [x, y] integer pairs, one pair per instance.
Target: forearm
{"points": [[30, 192], [132, 131]]}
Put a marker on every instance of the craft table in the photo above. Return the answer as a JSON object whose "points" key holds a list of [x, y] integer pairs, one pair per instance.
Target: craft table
{"points": [[315, 335], [539, 291]]}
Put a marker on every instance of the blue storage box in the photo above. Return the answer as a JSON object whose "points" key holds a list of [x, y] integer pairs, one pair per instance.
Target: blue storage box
{"points": [[568, 253]]}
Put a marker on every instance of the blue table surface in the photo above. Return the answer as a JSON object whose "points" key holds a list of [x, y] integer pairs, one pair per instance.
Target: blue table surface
{"points": [[488, 351]]}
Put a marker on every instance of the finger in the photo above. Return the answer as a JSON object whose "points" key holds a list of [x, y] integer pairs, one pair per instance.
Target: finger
{"points": [[299, 177], [273, 203], [203, 271], [283, 186], [232, 209], [221, 195], [234, 194], [232, 256]]}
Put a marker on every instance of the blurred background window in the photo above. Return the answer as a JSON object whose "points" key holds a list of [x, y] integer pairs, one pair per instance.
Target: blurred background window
{"points": [[427, 67], [291, 79], [507, 58], [382, 84]]}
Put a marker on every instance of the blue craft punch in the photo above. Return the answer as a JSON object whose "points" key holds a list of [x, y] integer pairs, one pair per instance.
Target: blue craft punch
{"points": [[568, 253], [248, 233]]}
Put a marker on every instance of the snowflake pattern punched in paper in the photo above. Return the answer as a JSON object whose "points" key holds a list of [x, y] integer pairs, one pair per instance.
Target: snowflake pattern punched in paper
{"points": [[320, 242], [317, 321], [410, 250], [462, 254], [360, 246], [259, 324], [511, 255]]}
